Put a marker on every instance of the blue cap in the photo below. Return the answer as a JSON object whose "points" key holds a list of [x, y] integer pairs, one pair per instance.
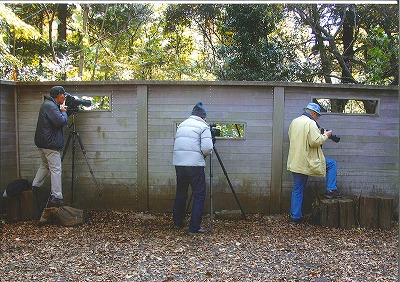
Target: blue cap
{"points": [[314, 107]]}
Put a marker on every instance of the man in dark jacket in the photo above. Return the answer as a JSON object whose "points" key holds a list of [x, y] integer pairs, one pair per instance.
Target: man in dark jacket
{"points": [[49, 138]]}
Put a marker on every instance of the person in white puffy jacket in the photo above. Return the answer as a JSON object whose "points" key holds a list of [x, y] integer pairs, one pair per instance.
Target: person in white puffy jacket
{"points": [[193, 142]]}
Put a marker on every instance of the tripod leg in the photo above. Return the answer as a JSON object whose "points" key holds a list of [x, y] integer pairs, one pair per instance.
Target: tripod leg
{"points": [[73, 168], [66, 145], [229, 182], [211, 197], [87, 162]]}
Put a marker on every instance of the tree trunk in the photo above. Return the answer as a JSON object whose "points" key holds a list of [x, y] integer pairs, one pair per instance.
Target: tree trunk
{"points": [[62, 33], [348, 42], [83, 36], [50, 31], [62, 27], [98, 44]]}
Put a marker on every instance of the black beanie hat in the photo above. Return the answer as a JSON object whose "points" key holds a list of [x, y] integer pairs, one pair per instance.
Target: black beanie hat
{"points": [[56, 90], [199, 110]]}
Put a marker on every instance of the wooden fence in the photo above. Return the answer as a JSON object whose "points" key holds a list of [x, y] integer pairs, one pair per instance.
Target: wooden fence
{"points": [[129, 148]]}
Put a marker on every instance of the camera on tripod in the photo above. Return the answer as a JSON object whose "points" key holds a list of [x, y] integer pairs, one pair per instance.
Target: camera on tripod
{"points": [[335, 138], [214, 130], [73, 103]]}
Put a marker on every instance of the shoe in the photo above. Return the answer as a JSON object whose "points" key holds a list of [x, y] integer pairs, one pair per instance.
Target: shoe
{"points": [[200, 231], [295, 221], [35, 189], [331, 194], [178, 226], [55, 202]]}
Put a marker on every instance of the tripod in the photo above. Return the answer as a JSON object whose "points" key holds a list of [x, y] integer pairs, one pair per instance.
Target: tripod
{"points": [[75, 135], [211, 189]]}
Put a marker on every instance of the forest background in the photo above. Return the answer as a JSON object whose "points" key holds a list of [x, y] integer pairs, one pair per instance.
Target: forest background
{"points": [[328, 43]]}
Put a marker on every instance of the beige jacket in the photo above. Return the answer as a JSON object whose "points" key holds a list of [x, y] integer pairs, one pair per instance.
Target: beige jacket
{"points": [[305, 152]]}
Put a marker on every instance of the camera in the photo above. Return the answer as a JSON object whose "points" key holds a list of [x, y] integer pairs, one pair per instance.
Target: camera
{"points": [[73, 103], [214, 130], [335, 138]]}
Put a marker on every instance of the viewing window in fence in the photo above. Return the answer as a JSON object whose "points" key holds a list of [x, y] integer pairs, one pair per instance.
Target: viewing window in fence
{"points": [[226, 130], [229, 130], [348, 106]]}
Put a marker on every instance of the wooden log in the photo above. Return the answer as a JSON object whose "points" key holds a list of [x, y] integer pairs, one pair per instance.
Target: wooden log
{"points": [[346, 213], [356, 201], [28, 211], [364, 211], [369, 218], [329, 213], [12, 209], [385, 207], [336, 213], [316, 211]]}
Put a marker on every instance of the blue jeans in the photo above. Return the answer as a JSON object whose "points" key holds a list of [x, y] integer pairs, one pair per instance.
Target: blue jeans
{"points": [[299, 182], [196, 178]]}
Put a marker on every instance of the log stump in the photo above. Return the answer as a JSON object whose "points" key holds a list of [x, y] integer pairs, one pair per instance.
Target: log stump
{"points": [[368, 209], [23, 208], [329, 213], [367, 212], [334, 213], [28, 209], [385, 214], [346, 214], [12, 209]]}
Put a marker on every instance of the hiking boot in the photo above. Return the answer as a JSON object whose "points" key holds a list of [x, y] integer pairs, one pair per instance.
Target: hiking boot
{"points": [[332, 194], [55, 202], [200, 231]]}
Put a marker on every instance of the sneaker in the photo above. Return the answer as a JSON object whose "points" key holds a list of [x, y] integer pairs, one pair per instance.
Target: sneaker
{"points": [[200, 231], [295, 221], [331, 194], [178, 226], [55, 202]]}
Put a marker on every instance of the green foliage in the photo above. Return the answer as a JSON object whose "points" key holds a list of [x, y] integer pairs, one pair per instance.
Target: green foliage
{"points": [[200, 42], [379, 54], [250, 50]]}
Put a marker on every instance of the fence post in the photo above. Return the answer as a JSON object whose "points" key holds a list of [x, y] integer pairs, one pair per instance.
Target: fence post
{"points": [[277, 144], [142, 148]]}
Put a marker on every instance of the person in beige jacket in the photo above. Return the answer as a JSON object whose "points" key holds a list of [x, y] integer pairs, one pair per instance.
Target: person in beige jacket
{"points": [[307, 159]]}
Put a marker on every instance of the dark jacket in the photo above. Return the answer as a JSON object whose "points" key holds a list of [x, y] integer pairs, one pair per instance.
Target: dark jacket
{"points": [[49, 129]]}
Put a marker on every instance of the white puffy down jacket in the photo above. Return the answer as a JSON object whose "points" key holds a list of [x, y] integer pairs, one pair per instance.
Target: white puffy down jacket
{"points": [[193, 142]]}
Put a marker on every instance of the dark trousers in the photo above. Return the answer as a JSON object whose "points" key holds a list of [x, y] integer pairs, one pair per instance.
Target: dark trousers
{"points": [[196, 178]]}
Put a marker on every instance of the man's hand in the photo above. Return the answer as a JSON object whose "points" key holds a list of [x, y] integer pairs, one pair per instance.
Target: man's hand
{"points": [[328, 133]]}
